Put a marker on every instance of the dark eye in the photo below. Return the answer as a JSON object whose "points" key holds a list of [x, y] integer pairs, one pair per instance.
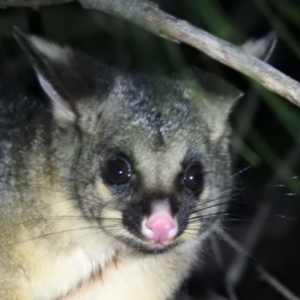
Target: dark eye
{"points": [[117, 171], [193, 177]]}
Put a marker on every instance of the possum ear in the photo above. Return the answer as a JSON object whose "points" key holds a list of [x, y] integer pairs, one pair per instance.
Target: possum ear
{"points": [[216, 98], [48, 61], [57, 71], [261, 48]]}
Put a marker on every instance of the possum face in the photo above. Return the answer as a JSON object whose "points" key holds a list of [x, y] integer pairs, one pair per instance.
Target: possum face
{"points": [[146, 159], [162, 171]]}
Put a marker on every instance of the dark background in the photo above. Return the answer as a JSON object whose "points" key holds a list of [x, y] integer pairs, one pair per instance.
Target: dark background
{"points": [[263, 229]]}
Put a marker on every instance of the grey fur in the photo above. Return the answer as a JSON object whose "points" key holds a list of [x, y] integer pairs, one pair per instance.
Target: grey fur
{"points": [[52, 161]]}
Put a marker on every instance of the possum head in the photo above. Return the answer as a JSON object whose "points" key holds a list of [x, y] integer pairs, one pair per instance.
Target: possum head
{"points": [[145, 158]]}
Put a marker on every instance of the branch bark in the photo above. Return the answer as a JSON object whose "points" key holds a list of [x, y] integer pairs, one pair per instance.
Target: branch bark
{"points": [[31, 3], [150, 17]]}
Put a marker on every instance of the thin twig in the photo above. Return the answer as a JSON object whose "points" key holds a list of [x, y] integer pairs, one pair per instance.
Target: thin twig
{"points": [[275, 283], [230, 290], [278, 286], [238, 265]]}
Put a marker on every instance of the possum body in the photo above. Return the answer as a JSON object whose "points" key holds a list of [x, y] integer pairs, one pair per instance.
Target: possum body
{"points": [[110, 180]]}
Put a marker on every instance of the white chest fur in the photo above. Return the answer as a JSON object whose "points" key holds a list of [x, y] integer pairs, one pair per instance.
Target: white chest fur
{"points": [[67, 270], [129, 277]]}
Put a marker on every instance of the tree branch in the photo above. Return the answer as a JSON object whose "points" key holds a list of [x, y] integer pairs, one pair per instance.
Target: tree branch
{"points": [[33, 3], [150, 17]]}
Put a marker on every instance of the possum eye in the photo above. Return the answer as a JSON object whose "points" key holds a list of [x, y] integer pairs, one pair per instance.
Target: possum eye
{"points": [[117, 171], [193, 177]]}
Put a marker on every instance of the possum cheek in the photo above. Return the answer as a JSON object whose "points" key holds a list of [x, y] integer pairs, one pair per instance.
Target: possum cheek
{"points": [[160, 226]]}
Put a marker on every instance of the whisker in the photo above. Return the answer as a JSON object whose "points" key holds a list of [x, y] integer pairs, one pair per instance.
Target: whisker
{"points": [[221, 195], [210, 206], [240, 172], [46, 235]]}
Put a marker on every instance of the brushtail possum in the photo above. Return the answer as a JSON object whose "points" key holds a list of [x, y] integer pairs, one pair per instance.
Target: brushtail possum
{"points": [[110, 180]]}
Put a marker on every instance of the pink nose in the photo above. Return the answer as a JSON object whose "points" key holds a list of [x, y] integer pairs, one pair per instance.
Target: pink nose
{"points": [[160, 227]]}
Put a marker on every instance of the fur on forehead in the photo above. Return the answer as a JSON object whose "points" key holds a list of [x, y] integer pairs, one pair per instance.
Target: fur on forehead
{"points": [[160, 105], [140, 105]]}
